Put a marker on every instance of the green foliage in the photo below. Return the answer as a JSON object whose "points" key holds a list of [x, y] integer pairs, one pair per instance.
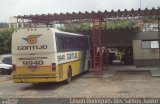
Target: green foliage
{"points": [[5, 41], [75, 27], [118, 24], [4, 25]]}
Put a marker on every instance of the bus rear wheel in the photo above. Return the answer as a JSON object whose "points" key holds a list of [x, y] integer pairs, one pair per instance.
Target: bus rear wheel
{"points": [[69, 76]]}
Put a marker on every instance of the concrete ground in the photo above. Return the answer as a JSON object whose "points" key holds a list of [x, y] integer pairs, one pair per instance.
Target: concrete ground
{"points": [[113, 69], [4, 78], [124, 84]]}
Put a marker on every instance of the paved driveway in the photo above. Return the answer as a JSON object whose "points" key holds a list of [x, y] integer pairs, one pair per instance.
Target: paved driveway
{"points": [[130, 84]]}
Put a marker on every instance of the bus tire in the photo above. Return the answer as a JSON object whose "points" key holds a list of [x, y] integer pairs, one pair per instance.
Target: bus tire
{"points": [[69, 76]]}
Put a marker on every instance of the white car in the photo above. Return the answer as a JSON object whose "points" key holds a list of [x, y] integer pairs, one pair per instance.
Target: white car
{"points": [[5, 66]]}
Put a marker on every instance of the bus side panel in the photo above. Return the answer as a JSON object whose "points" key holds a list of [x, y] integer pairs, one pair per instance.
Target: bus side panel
{"points": [[63, 69], [78, 66]]}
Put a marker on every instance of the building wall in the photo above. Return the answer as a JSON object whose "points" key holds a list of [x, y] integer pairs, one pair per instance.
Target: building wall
{"points": [[141, 57], [121, 39], [144, 57], [13, 22]]}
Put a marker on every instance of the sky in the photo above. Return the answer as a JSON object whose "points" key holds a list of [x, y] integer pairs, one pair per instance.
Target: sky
{"points": [[9, 8]]}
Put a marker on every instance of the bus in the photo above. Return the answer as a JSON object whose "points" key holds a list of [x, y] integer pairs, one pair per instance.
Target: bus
{"points": [[49, 55]]}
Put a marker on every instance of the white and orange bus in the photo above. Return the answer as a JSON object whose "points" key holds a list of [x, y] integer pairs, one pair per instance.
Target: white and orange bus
{"points": [[48, 55]]}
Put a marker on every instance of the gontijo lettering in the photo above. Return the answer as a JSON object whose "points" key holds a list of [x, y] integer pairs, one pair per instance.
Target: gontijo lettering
{"points": [[34, 47], [68, 56], [71, 56]]}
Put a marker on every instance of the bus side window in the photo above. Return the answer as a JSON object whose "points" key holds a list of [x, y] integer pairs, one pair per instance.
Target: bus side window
{"points": [[66, 43], [82, 43], [59, 42], [75, 43], [85, 42], [71, 44], [78, 43]]}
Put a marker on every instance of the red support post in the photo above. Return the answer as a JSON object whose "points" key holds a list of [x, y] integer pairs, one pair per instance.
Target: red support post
{"points": [[107, 51], [97, 47]]}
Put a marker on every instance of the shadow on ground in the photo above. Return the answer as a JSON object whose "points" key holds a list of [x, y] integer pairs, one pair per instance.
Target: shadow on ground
{"points": [[51, 85]]}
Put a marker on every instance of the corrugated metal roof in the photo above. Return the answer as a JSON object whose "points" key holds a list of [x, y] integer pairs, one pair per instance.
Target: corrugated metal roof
{"points": [[89, 16]]}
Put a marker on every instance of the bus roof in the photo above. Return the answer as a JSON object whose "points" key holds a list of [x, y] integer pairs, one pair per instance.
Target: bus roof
{"points": [[56, 30], [52, 29]]}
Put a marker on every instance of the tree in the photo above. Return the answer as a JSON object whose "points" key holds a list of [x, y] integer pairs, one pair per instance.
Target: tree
{"points": [[5, 41], [4, 25]]}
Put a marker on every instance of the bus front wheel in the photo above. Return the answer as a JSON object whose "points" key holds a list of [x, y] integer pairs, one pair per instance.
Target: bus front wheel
{"points": [[69, 76]]}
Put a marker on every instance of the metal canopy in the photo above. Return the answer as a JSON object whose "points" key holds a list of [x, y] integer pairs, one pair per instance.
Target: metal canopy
{"points": [[89, 16], [96, 18]]}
